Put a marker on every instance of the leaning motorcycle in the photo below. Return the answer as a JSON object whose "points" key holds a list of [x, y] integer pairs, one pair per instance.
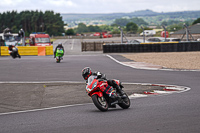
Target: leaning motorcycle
{"points": [[59, 54], [105, 96], [14, 53]]}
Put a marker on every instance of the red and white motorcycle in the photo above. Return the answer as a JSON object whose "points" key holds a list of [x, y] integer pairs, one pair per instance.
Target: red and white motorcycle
{"points": [[105, 96]]}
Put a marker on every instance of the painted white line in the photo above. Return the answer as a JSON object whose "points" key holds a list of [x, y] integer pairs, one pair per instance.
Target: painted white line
{"points": [[34, 110], [72, 44], [146, 68], [175, 88], [135, 95], [162, 92], [130, 65]]}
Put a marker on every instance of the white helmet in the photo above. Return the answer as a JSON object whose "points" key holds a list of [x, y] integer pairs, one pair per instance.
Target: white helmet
{"points": [[60, 44]]}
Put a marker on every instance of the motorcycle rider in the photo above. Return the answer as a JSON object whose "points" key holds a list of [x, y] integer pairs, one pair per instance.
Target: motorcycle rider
{"points": [[59, 46], [10, 50], [87, 72]]}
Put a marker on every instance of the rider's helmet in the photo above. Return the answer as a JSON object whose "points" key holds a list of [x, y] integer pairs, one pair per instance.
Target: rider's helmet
{"points": [[86, 72], [59, 44]]}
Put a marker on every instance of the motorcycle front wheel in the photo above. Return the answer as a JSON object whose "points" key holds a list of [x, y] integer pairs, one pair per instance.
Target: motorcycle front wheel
{"points": [[58, 60], [125, 103], [100, 103]]}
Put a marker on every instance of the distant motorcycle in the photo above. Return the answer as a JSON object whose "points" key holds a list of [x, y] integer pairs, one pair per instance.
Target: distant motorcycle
{"points": [[104, 97], [13, 51], [59, 54]]}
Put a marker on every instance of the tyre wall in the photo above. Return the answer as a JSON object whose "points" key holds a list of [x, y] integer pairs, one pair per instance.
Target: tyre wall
{"points": [[152, 47]]}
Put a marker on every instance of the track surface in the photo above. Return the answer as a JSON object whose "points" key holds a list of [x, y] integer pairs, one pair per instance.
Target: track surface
{"points": [[170, 113]]}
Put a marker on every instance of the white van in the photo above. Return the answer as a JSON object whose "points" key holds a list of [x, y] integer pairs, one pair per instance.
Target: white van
{"points": [[7, 39], [148, 33]]}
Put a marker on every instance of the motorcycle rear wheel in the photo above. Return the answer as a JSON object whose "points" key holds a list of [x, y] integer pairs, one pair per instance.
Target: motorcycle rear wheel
{"points": [[125, 103], [100, 103]]}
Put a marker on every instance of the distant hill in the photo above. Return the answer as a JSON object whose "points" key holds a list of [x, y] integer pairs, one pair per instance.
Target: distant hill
{"points": [[77, 16], [148, 15]]}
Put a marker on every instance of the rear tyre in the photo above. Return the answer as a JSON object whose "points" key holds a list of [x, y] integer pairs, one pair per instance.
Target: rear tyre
{"points": [[125, 103], [100, 103]]}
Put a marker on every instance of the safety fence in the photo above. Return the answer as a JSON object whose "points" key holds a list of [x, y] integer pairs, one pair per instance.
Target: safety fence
{"points": [[29, 50], [152, 47]]}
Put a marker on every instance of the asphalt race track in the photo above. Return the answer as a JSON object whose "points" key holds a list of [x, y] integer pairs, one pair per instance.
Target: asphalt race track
{"points": [[175, 113]]}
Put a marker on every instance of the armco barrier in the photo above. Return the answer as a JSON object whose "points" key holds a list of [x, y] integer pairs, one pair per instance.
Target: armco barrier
{"points": [[152, 47], [4, 51], [49, 50], [29, 50], [41, 51]]}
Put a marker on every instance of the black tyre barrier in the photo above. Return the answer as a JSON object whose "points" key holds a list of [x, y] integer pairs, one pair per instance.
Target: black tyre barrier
{"points": [[158, 47]]}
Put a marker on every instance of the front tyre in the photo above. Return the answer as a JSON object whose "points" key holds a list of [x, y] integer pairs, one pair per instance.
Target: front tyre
{"points": [[125, 104], [58, 59], [100, 103]]}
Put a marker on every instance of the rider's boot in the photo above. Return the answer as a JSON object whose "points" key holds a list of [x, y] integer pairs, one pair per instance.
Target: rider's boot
{"points": [[121, 92], [19, 56]]}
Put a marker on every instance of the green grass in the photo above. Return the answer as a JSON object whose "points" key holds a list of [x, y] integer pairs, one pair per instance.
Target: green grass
{"points": [[52, 40]]}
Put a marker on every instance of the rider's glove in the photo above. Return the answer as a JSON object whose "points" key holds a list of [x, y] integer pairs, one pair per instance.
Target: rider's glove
{"points": [[98, 74]]}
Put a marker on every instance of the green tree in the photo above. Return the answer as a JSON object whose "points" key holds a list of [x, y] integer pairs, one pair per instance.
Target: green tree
{"points": [[132, 27], [70, 32], [32, 21], [174, 27], [82, 28], [164, 23], [121, 21], [125, 21], [196, 21], [92, 28], [139, 21], [115, 30]]}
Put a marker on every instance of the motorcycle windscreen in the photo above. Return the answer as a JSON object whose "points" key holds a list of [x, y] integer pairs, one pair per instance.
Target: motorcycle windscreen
{"points": [[91, 83], [60, 51]]}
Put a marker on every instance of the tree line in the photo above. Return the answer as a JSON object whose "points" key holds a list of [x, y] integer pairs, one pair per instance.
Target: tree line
{"points": [[32, 21]]}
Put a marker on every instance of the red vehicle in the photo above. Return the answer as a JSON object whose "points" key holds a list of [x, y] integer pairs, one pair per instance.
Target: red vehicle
{"points": [[104, 34], [97, 34], [107, 35], [163, 34], [39, 39], [104, 96]]}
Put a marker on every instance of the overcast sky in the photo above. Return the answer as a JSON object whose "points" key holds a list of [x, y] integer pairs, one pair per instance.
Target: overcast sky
{"points": [[99, 6]]}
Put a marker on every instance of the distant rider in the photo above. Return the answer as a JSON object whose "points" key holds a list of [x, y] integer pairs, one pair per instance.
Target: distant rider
{"points": [[10, 50], [87, 72], [59, 46]]}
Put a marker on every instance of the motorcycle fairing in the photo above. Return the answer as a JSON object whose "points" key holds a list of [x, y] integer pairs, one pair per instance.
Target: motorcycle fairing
{"points": [[100, 94], [109, 91]]}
